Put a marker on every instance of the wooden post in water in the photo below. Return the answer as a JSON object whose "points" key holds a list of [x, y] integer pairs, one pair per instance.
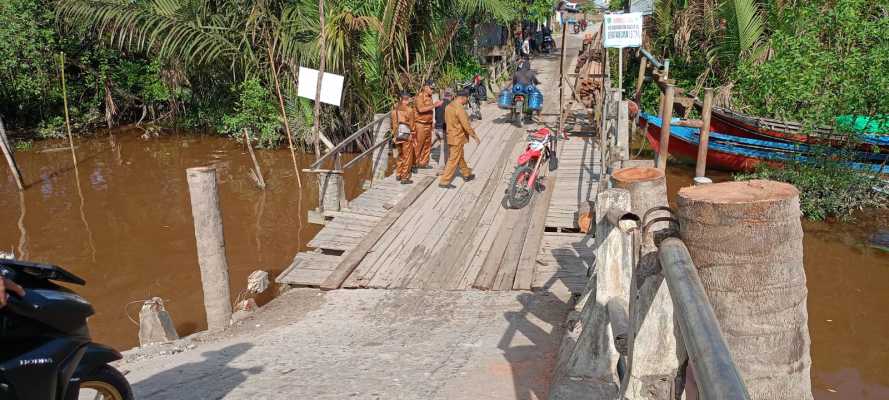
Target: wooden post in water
{"points": [[654, 356], [260, 180], [746, 240], [666, 117], [701, 165], [10, 157], [204, 193]]}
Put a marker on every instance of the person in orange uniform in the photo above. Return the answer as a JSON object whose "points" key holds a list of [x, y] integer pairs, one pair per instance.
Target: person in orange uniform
{"points": [[425, 108], [404, 124], [459, 132]]}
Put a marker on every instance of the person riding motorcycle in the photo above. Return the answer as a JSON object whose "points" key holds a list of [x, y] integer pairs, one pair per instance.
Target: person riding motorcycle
{"points": [[524, 76]]}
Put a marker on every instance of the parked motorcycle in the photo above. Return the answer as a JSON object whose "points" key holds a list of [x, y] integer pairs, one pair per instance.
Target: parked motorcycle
{"points": [[548, 43], [477, 94], [525, 181], [46, 351]]}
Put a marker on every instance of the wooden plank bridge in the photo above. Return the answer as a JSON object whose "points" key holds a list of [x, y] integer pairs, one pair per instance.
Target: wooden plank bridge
{"points": [[421, 236]]}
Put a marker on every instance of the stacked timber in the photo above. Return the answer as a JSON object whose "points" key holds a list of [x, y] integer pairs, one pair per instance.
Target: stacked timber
{"points": [[745, 239], [588, 91]]}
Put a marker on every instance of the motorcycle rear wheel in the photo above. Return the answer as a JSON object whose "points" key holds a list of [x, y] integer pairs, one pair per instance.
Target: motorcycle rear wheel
{"points": [[520, 113], [107, 383]]}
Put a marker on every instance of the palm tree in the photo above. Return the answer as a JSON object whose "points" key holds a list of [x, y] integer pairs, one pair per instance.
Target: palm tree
{"points": [[371, 42]]}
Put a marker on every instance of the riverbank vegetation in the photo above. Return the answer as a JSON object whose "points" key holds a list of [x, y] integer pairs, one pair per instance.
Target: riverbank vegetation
{"points": [[804, 61], [225, 65]]}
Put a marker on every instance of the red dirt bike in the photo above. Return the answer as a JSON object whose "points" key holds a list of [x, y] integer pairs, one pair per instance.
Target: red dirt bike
{"points": [[525, 180]]}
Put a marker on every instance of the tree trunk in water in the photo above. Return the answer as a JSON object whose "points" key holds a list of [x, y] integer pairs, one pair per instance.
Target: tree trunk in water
{"points": [[746, 241], [204, 193]]}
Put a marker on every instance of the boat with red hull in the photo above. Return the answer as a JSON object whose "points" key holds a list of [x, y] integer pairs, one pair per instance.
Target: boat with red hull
{"points": [[731, 153], [734, 123]]}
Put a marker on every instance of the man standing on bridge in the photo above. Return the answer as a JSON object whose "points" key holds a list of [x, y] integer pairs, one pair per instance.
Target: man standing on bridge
{"points": [[404, 136], [459, 131], [425, 108]]}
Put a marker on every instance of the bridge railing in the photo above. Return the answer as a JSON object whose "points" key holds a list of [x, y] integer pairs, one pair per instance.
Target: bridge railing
{"points": [[331, 191], [644, 322]]}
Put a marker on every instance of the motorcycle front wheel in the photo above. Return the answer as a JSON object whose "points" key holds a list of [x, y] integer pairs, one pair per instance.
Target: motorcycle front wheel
{"points": [[104, 383], [476, 109], [520, 192]]}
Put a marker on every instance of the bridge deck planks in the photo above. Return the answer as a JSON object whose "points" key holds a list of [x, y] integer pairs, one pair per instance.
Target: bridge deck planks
{"points": [[463, 237]]}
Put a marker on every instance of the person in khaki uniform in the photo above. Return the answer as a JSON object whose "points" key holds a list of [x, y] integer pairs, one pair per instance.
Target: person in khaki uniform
{"points": [[425, 109], [404, 123], [459, 132]]}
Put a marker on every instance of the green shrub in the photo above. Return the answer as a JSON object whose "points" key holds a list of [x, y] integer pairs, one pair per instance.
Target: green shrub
{"points": [[827, 187], [255, 111]]}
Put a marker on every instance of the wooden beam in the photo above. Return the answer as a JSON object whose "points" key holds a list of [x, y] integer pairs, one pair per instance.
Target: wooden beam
{"points": [[701, 165], [666, 117], [353, 258]]}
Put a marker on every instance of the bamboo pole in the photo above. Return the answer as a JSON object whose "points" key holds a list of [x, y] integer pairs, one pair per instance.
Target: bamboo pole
{"points": [[65, 101], [701, 165], [666, 117], [260, 180], [74, 157], [10, 157], [323, 56], [299, 180]]}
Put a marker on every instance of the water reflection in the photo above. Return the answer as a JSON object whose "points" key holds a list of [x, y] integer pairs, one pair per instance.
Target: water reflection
{"points": [[128, 231]]}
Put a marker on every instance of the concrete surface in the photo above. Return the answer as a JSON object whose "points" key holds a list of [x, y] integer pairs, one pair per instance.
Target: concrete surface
{"points": [[366, 344]]}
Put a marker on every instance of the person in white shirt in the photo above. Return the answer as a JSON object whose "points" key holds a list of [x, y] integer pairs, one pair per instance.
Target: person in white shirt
{"points": [[526, 47]]}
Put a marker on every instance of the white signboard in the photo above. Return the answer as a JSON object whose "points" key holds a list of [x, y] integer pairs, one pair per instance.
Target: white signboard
{"points": [[623, 30], [331, 86]]}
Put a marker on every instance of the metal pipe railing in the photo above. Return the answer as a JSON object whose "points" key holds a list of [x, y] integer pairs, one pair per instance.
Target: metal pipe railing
{"points": [[652, 59], [715, 371]]}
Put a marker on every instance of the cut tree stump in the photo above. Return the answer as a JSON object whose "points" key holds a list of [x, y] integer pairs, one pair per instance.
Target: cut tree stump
{"points": [[746, 240]]}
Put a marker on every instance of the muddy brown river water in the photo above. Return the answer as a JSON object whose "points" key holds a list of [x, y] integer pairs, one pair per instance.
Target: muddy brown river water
{"points": [[128, 232]]}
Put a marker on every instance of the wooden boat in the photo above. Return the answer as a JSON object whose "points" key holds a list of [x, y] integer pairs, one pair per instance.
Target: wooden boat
{"points": [[732, 153], [734, 123]]}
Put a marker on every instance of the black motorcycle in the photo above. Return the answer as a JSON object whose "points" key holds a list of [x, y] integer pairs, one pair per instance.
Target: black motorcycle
{"points": [[548, 43], [45, 348], [477, 94]]}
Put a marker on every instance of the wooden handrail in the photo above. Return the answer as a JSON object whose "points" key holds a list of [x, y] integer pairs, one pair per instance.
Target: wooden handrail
{"points": [[364, 154], [346, 142]]}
